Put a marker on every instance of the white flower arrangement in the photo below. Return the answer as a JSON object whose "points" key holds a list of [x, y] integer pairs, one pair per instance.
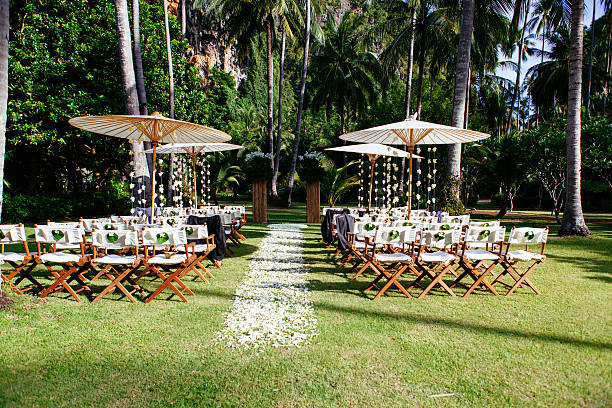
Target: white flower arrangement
{"points": [[252, 155]]}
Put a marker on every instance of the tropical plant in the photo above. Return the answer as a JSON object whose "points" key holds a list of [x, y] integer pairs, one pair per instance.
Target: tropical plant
{"points": [[335, 185], [227, 176]]}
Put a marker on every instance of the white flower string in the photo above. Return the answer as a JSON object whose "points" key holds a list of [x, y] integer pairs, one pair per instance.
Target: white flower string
{"points": [[207, 182], [273, 306], [418, 179], [360, 194], [433, 181]]}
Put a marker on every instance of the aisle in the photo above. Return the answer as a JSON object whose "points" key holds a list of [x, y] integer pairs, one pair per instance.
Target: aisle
{"points": [[273, 306]]}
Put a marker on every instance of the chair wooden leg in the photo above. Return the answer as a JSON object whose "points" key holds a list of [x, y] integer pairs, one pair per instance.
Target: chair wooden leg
{"points": [[392, 280]]}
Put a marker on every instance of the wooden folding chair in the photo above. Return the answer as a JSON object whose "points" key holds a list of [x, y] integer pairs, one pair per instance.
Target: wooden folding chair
{"points": [[522, 236], [116, 254], [363, 231], [479, 263], [169, 266], [74, 248], [437, 256], [198, 232], [398, 256], [21, 263], [239, 214], [64, 267]]}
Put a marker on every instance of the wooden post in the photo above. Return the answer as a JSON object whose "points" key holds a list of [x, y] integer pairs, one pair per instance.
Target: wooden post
{"points": [[260, 201], [313, 201]]}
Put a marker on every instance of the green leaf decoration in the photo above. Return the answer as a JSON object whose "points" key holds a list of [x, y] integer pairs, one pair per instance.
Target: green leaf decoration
{"points": [[2, 234], [110, 227], [485, 233], [57, 234], [407, 224], [373, 218], [171, 221], [445, 227], [162, 237], [486, 224], [112, 237], [406, 217], [369, 227], [439, 236], [189, 230], [529, 235], [393, 235], [455, 219], [173, 213]]}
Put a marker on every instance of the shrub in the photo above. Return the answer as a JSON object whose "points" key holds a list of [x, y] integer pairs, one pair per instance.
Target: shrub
{"points": [[257, 166], [310, 167]]}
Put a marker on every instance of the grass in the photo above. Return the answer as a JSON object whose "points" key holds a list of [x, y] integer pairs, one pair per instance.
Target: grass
{"points": [[525, 350]]}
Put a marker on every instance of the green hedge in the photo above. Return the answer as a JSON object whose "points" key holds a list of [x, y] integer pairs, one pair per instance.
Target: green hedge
{"points": [[39, 208]]}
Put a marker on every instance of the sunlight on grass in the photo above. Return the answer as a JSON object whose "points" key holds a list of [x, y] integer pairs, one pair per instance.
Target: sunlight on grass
{"points": [[524, 350]]}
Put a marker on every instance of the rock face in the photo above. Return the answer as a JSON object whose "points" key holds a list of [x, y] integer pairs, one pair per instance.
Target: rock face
{"points": [[207, 49]]}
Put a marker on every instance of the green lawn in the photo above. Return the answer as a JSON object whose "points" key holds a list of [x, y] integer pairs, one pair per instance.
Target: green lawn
{"points": [[525, 350]]}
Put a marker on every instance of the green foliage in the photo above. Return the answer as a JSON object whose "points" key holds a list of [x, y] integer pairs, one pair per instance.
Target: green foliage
{"points": [[257, 166], [310, 167], [335, 185]]}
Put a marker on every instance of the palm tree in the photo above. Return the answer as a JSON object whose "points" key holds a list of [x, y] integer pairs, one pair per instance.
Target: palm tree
{"points": [[525, 49], [462, 74], [171, 95], [298, 127], [346, 71], [242, 20], [130, 92], [548, 81], [335, 185], [4, 54], [573, 219], [548, 15]]}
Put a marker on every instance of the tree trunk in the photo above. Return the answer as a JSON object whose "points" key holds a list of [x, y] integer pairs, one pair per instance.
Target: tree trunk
{"points": [[608, 66], [408, 93], [4, 54], [280, 115], [139, 72], [420, 80], [270, 60], [573, 219], [128, 80], [467, 100], [183, 19], [171, 95], [298, 126], [459, 98], [541, 62], [587, 103]]}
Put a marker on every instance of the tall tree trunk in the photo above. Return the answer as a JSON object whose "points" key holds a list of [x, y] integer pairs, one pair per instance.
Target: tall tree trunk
{"points": [[139, 72], [467, 99], [408, 94], [573, 219], [171, 94], [461, 75], [128, 80], [183, 19], [280, 115], [420, 80], [608, 71], [587, 102], [298, 127], [541, 62], [4, 54], [270, 60]]}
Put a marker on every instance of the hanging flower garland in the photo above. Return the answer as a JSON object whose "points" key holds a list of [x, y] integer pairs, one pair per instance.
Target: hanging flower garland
{"points": [[360, 194], [395, 184], [433, 181], [428, 177]]}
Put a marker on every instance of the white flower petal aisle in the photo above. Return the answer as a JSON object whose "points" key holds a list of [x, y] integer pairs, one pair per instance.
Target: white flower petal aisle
{"points": [[272, 305]]}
